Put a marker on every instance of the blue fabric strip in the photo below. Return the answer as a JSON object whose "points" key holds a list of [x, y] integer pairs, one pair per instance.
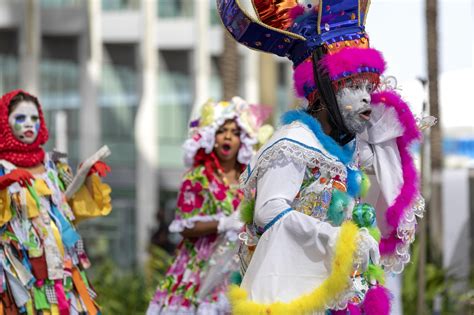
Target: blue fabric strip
{"points": [[69, 236], [275, 219]]}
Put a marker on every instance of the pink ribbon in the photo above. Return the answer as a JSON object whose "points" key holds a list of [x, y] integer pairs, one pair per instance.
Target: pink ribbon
{"points": [[63, 304]]}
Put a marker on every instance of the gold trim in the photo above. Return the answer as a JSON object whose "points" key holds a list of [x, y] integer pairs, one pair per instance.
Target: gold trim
{"points": [[255, 8], [320, 14], [358, 12], [366, 11], [290, 34]]}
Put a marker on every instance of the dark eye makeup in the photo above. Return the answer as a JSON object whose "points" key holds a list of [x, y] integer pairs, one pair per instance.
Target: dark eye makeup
{"points": [[20, 118]]}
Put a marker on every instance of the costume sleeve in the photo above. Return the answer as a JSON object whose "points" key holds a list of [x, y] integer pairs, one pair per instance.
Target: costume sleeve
{"points": [[93, 202], [276, 189], [196, 203], [385, 148]]}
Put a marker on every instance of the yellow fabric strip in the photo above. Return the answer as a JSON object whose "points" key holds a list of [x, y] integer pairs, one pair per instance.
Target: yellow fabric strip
{"points": [[29, 308], [5, 211], [54, 309], [338, 281], [57, 237], [41, 190]]}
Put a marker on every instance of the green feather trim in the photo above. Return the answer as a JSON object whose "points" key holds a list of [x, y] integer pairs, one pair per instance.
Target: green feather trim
{"points": [[375, 233], [247, 210], [375, 273]]}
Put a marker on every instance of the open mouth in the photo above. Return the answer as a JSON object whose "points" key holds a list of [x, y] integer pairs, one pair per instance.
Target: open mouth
{"points": [[226, 149], [365, 115]]}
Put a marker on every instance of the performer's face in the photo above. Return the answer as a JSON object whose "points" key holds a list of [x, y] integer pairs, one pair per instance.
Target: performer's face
{"points": [[354, 105], [227, 142], [24, 121]]}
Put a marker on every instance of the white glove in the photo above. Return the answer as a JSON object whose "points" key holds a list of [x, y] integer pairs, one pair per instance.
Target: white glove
{"points": [[367, 250], [231, 224]]}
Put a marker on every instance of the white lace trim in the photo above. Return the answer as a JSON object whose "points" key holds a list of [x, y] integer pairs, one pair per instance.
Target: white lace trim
{"points": [[284, 152], [396, 261], [342, 299], [220, 307], [178, 225]]}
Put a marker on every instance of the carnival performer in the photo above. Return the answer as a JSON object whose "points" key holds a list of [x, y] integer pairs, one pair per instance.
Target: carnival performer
{"points": [[312, 244], [221, 143], [42, 257]]}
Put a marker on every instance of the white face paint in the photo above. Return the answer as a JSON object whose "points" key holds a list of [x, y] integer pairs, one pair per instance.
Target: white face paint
{"points": [[24, 122], [354, 105]]}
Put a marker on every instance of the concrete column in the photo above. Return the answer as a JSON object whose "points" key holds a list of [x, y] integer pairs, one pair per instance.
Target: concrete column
{"points": [[202, 58], [146, 135], [251, 82], [60, 121], [90, 59], [30, 47], [269, 81]]}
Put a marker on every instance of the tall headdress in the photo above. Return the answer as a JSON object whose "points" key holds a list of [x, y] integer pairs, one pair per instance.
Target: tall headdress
{"points": [[325, 40]]}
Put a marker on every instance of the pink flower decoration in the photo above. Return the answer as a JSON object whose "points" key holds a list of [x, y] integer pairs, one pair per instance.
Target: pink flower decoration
{"points": [[235, 202], [218, 190], [190, 197]]}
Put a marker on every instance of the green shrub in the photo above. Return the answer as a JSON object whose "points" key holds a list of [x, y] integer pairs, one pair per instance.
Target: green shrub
{"points": [[129, 292]]}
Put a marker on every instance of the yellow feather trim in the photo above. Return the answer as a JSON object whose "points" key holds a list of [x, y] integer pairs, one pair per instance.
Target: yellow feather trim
{"points": [[338, 280]]}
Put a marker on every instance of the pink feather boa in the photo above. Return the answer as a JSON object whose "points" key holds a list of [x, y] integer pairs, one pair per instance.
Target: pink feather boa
{"points": [[409, 189]]}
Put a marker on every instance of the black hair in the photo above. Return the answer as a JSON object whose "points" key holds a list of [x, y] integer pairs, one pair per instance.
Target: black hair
{"points": [[22, 97]]}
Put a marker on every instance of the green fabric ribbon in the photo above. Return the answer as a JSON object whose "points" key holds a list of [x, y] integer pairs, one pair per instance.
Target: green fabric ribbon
{"points": [[39, 296]]}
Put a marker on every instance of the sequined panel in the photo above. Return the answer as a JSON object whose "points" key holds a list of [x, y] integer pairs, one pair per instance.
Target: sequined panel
{"points": [[275, 12]]}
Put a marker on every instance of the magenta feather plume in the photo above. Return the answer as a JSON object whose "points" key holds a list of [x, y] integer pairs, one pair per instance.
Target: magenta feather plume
{"points": [[303, 77], [377, 301], [350, 60]]}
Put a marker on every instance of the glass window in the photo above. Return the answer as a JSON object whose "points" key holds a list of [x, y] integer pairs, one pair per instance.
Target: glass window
{"points": [[119, 84], [60, 3], [9, 67], [111, 5], [175, 100], [175, 8], [60, 86]]}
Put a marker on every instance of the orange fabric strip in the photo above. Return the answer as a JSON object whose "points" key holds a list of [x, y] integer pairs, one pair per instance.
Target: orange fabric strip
{"points": [[82, 290]]}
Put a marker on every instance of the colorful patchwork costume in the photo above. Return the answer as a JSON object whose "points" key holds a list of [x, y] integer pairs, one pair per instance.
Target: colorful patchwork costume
{"points": [[42, 257]]}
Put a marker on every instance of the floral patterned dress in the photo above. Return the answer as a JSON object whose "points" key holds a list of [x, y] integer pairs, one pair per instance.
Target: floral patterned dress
{"points": [[199, 200]]}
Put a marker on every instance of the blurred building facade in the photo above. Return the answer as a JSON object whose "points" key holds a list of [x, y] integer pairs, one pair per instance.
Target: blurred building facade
{"points": [[47, 48]]}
